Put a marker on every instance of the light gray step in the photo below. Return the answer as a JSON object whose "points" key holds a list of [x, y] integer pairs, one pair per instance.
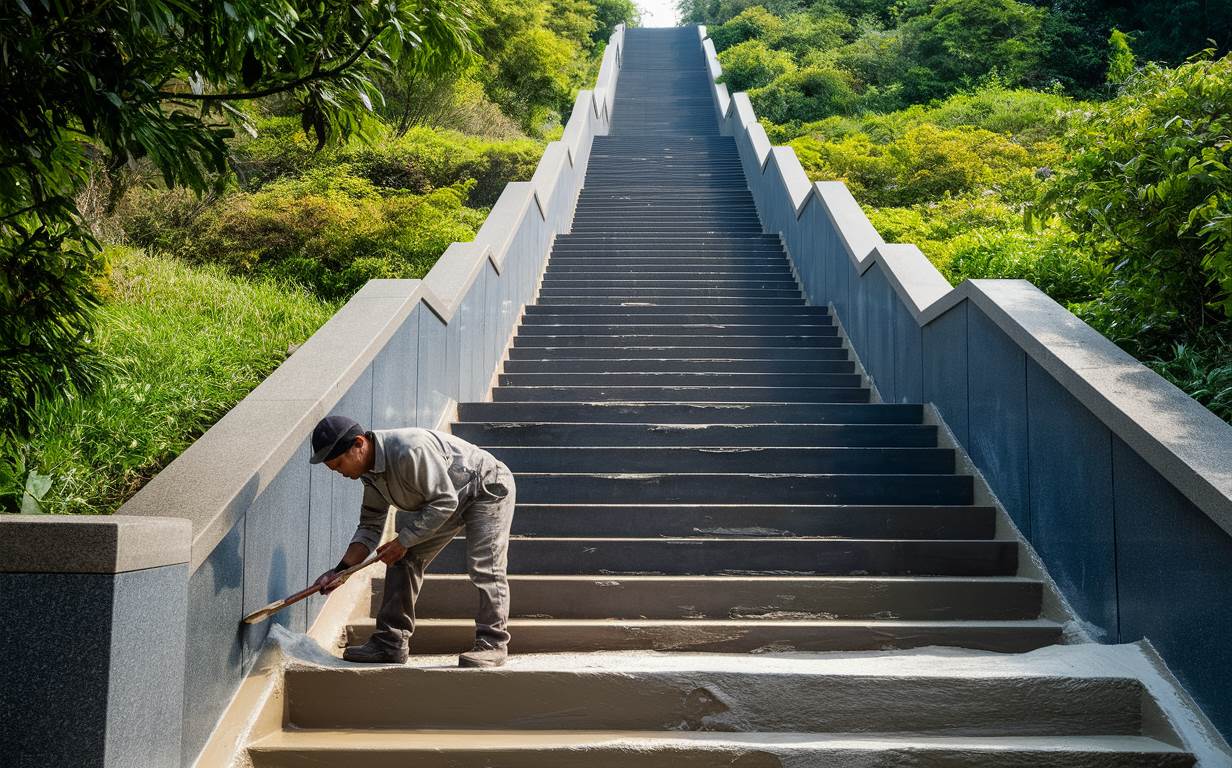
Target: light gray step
{"points": [[696, 413], [609, 749], [751, 435], [679, 379], [742, 520], [729, 636], [692, 283], [597, 458], [747, 556], [635, 294], [971, 697], [668, 271], [701, 488], [681, 394], [738, 597], [717, 365]]}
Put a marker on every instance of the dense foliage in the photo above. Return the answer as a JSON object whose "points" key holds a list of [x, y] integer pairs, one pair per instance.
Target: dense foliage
{"points": [[292, 144], [1022, 140]]}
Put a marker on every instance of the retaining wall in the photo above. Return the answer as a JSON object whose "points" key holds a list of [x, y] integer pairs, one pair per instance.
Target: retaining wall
{"points": [[123, 641], [1121, 482]]}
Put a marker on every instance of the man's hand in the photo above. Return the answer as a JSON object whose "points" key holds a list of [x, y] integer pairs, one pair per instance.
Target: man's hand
{"points": [[391, 552], [327, 582]]}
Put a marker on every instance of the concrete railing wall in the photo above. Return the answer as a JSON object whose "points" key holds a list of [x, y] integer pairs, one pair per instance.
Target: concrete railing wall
{"points": [[1121, 482], [123, 642]]}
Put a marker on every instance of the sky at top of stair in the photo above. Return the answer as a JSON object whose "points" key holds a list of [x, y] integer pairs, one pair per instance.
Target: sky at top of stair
{"points": [[659, 13]]}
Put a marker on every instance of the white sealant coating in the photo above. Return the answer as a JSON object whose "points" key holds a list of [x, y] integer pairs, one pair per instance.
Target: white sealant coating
{"points": [[1082, 661]]}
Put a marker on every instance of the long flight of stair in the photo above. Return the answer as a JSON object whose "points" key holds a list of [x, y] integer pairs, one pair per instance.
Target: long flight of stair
{"points": [[700, 467]]}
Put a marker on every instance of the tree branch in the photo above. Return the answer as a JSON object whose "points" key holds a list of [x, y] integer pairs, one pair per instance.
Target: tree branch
{"points": [[283, 88]]}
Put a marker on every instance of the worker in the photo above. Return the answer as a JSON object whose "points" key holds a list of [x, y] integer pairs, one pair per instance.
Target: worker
{"points": [[439, 485]]}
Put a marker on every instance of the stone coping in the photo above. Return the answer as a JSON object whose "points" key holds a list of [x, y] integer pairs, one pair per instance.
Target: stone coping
{"points": [[104, 544], [1182, 440], [213, 482]]}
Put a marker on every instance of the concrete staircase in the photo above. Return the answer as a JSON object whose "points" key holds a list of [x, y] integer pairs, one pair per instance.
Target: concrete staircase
{"points": [[700, 467]]}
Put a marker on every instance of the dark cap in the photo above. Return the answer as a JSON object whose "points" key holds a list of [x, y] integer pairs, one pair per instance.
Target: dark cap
{"points": [[332, 436]]}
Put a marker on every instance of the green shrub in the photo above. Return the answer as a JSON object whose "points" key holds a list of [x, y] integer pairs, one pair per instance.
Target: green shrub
{"points": [[926, 164], [754, 23], [809, 94], [184, 344], [1146, 186], [752, 64]]}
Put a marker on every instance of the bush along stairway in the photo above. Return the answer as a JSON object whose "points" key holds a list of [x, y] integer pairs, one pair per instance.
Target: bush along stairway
{"points": [[700, 468]]}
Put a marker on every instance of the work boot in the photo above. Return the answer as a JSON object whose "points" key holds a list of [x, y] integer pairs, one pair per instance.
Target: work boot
{"points": [[371, 653], [483, 655]]}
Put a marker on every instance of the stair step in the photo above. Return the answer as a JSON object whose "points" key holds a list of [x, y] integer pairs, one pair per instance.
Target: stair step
{"points": [[617, 749], [587, 458], [748, 435], [702, 366], [695, 413], [591, 321], [820, 327], [680, 394], [747, 556], [674, 379], [655, 352], [739, 597], [730, 636], [765, 312], [667, 301], [615, 520], [714, 488], [971, 695], [734, 341]]}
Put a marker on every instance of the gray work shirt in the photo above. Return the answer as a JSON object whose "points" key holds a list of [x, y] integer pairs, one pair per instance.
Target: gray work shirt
{"points": [[427, 475]]}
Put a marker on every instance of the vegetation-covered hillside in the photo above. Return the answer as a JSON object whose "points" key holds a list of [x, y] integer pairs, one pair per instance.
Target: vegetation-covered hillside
{"points": [[188, 191], [1081, 145]]}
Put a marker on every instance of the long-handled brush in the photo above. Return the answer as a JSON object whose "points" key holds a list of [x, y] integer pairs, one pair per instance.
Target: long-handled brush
{"points": [[306, 592]]}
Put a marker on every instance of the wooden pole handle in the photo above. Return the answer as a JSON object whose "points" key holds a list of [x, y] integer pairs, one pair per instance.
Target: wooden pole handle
{"points": [[306, 592]]}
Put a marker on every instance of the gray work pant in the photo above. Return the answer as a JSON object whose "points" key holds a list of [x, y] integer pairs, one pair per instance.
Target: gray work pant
{"points": [[485, 520]]}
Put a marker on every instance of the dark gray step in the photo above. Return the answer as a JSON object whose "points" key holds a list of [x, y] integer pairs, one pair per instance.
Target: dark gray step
{"points": [[712, 435], [682, 394], [909, 598], [543, 488], [681, 366], [668, 271], [732, 340], [593, 457], [699, 309], [696, 413], [701, 330], [746, 556], [633, 294], [672, 379], [695, 283], [677, 353], [667, 301], [541, 319], [981, 698], [740, 519]]}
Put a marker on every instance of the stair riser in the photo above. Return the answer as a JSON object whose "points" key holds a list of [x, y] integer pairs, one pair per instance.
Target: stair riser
{"points": [[723, 489], [863, 461], [590, 322], [446, 597], [734, 341], [651, 379], [679, 353], [680, 394], [819, 557], [769, 413], [716, 366], [594, 699], [635, 312], [653, 521], [660, 435], [668, 301]]}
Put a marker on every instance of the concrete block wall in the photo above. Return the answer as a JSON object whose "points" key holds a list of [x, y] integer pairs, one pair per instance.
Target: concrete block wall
{"points": [[1121, 482], [144, 650]]}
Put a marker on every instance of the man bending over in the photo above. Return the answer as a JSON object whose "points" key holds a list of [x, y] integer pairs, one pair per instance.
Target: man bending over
{"points": [[439, 485]]}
